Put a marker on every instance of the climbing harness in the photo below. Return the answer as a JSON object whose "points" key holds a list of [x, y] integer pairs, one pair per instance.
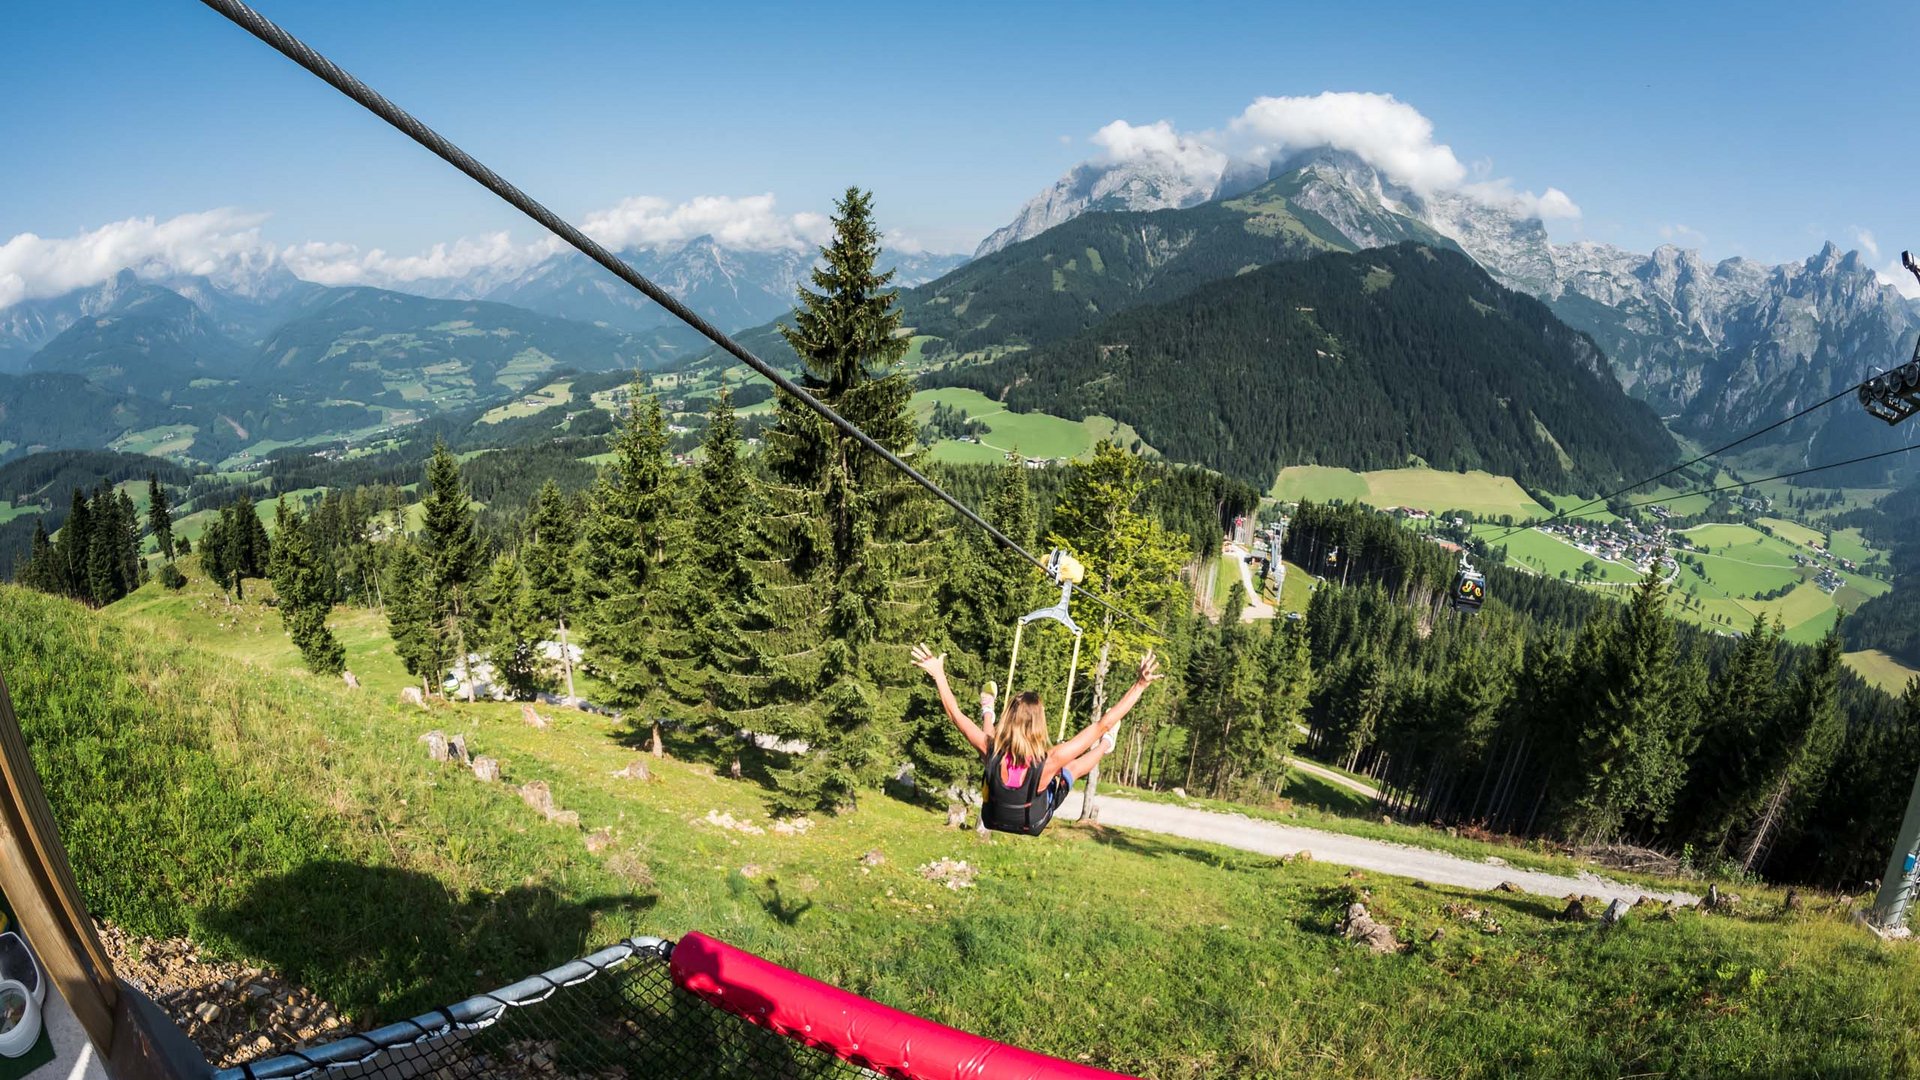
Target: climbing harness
{"points": [[1066, 570]]}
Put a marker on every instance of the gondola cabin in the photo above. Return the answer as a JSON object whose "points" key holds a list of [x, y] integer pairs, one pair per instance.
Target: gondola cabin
{"points": [[1469, 589]]}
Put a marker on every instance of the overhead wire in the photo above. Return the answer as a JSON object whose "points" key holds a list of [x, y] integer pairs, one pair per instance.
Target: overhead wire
{"points": [[269, 32], [1748, 437]]}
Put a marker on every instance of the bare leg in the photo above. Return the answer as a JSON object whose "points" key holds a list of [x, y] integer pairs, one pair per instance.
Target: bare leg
{"points": [[1083, 765]]}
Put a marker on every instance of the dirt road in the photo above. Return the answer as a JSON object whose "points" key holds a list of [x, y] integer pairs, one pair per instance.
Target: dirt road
{"points": [[1332, 777], [1269, 838]]}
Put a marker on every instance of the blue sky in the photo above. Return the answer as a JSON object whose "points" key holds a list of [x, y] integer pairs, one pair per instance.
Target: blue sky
{"points": [[1758, 129]]}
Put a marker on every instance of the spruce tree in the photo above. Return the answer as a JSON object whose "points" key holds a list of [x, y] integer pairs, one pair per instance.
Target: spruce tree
{"points": [[42, 570], [553, 583], [511, 630], [452, 551], [103, 548], [302, 594], [418, 635], [1728, 781], [627, 563], [722, 608], [846, 514], [1631, 747], [1801, 746], [128, 541], [72, 547], [160, 515]]}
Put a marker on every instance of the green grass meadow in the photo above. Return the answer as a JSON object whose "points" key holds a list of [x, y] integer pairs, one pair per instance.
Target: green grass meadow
{"points": [[206, 786], [1422, 489]]}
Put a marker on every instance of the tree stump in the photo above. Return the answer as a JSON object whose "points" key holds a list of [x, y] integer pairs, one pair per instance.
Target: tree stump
{"points": [[411, 695], [599, 840], [457, 748], [658, 750], [486, 769], [352, 683], [1792, 902], [532, 718], [436, 745], [733, 770], [635, 770], [956, 816]]}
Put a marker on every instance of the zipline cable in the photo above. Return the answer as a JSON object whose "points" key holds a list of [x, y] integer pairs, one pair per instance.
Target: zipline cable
{"points": [[245, 17], [1909, 448]]}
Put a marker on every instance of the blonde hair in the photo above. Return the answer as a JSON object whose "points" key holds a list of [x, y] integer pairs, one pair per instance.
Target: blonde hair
{"points": [[1021, 735]]}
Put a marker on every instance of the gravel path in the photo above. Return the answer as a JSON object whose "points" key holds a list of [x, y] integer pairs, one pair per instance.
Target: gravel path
{"points": [[1269, 838], [1256, 608], [1332, 777]]}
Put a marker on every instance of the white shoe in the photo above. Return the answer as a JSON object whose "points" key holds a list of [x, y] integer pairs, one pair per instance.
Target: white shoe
{"points": [[1110, 740]]}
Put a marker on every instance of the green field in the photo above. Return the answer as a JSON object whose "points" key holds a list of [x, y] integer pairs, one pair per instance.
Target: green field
{"points": [[1848, 544], [1296, 589], [532, 402], [1881, 670], [1422, 489], [1741, 561], [1793, 532], [8, 511], [167, 441], [1551, 556], [1034, 435], [301, 827]]}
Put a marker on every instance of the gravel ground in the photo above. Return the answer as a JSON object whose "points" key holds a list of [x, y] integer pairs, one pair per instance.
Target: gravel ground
{"points": [[1440, 868], [232, 1012]]}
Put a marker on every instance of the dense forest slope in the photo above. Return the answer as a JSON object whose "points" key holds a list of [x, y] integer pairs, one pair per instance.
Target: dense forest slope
{"points": [[1891, 622], [1367, 360]]}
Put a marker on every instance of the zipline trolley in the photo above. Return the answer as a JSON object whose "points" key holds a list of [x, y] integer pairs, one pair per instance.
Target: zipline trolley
{"points": [[1066, 570]]}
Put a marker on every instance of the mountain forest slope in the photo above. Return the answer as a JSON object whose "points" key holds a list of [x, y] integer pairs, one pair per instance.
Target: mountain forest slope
{"points": [[1369, 360]]}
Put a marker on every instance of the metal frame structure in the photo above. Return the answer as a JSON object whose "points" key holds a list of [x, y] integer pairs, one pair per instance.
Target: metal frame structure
{"points": [[1066, 570]]}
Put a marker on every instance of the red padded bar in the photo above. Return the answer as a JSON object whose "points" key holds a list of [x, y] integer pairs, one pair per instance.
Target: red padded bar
{"points": [[867, 1033]]}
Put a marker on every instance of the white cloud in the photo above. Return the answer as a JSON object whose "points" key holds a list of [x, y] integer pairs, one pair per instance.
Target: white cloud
{"points": [[1380, 129], [1552, 205], [1192, 156], [216, 243], [227, 245], [1864, 237], [749, 223], [344, 264], [1900, 278], [1684, 234]]}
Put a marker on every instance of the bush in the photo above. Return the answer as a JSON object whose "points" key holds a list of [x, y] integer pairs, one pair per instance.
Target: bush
{"points": [[172, 578]]}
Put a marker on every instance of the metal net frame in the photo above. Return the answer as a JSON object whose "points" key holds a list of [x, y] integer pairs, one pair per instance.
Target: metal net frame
{"points": [[614, 1015]]}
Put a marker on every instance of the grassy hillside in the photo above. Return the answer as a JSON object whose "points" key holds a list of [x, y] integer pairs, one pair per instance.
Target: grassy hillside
{"points": [[1422, 489], [203, 787]]}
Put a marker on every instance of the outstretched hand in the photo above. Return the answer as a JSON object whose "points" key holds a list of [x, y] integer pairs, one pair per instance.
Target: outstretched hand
{"points": [[1150, 669], [934, 664]]}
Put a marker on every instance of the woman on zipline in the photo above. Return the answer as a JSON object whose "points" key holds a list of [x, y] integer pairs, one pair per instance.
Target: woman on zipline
{"points": [[1028, 777]]}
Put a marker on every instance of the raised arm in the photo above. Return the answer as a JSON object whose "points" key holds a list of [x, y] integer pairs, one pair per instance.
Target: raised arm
{"points": [[1150, 673], [936, 665]]}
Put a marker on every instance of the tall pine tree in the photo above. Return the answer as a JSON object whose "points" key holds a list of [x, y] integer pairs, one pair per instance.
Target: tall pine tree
{"points": [[553, 583], [845, 515], [627, 562], [160, 515], [452, 551], [301, 591]]}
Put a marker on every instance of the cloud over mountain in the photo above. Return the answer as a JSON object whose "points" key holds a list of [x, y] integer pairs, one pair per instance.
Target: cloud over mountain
{"points": [[228, 246]]}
